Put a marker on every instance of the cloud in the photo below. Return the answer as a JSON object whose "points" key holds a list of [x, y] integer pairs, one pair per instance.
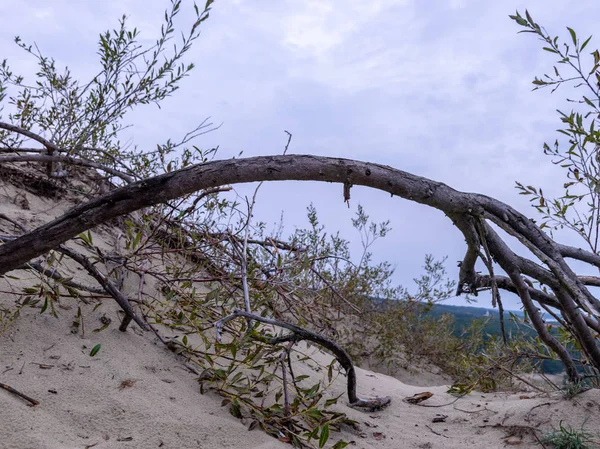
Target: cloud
{"points": [[440, 88]]}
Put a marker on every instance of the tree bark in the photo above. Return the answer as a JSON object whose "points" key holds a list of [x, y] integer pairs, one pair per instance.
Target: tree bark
{"points": [[573, 299], [172, 185]]}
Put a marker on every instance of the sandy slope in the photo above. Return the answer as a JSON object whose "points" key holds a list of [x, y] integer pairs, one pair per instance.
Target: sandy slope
{"points": [[82, 404], [136, 394]]}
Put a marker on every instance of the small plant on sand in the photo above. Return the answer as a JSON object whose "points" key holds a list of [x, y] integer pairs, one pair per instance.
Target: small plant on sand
{"points": [[572, 389], [568, 438]]}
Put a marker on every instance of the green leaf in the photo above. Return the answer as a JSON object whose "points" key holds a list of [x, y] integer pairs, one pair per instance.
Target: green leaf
{"points": [[585, 43], [45, 306], [137, 239], [314, 413], [529, 17], [312, 392], [95, 350], [313, 434], [573, 35], [330, 402], [213, 295], [101, 328], [340, 445], [235, 409], [520, 20], [86, 237], [324, 436]]}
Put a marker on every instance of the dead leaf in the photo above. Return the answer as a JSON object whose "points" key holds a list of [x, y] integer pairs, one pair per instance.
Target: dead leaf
{"points": [[513, 441], [43, 365], [417, 398], [128, 383]]}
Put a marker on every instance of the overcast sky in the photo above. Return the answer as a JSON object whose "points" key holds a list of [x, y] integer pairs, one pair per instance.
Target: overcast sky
{"points": [[441, 89]]}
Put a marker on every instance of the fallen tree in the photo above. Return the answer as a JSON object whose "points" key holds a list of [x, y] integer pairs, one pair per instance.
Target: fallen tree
{"points": [[89, 120], [473, 214]]}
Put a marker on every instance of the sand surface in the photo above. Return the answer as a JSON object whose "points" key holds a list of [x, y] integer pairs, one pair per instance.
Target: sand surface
{"points": [[134, 393]]}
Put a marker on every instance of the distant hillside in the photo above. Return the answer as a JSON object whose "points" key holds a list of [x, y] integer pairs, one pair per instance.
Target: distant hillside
{"points": [[464, 316]]}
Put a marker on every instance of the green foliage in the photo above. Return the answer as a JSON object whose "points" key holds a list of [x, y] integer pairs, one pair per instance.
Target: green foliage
{"points": [[576, 151], [85, 119], [570, 390], [568, 438], [578, 155]]}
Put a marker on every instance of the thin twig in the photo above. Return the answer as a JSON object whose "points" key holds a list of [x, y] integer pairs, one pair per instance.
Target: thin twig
{"points": [[437, 433], [489, 262], [335, 291], [105, 283], [50, 147], [32, 402], [244, 261], [68, 160], [287, 145], [286, 399], [14, 222]]}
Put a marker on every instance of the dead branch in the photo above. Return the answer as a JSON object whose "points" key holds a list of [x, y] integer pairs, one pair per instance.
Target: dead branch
{"points": [[463, 208], [299, 334], [54, 274], [68, 160], [106, 284], [267, 243], [50, 147], [32, 402], [14, 222]]}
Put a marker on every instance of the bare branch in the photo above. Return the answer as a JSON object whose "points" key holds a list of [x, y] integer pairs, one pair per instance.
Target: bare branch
{"points": [[507, 261], [67, 282], [168, 186], [50, 147], [299, 334], [105, 283], [66, 159], [579, 254], [461, 207]]}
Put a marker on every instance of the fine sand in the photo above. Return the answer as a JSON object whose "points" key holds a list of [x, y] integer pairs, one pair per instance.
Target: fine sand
{"points": [[135, 393]]}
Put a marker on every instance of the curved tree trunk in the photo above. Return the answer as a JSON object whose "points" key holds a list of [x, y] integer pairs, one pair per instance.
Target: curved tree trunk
{"points": [[577, 305]]}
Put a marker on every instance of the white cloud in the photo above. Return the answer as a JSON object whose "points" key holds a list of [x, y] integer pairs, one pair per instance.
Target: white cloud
{"points": [[319, 26], [437, 87]]}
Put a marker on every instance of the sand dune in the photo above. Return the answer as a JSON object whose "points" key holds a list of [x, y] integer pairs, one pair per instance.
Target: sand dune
{"points": [[134, 393]]}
